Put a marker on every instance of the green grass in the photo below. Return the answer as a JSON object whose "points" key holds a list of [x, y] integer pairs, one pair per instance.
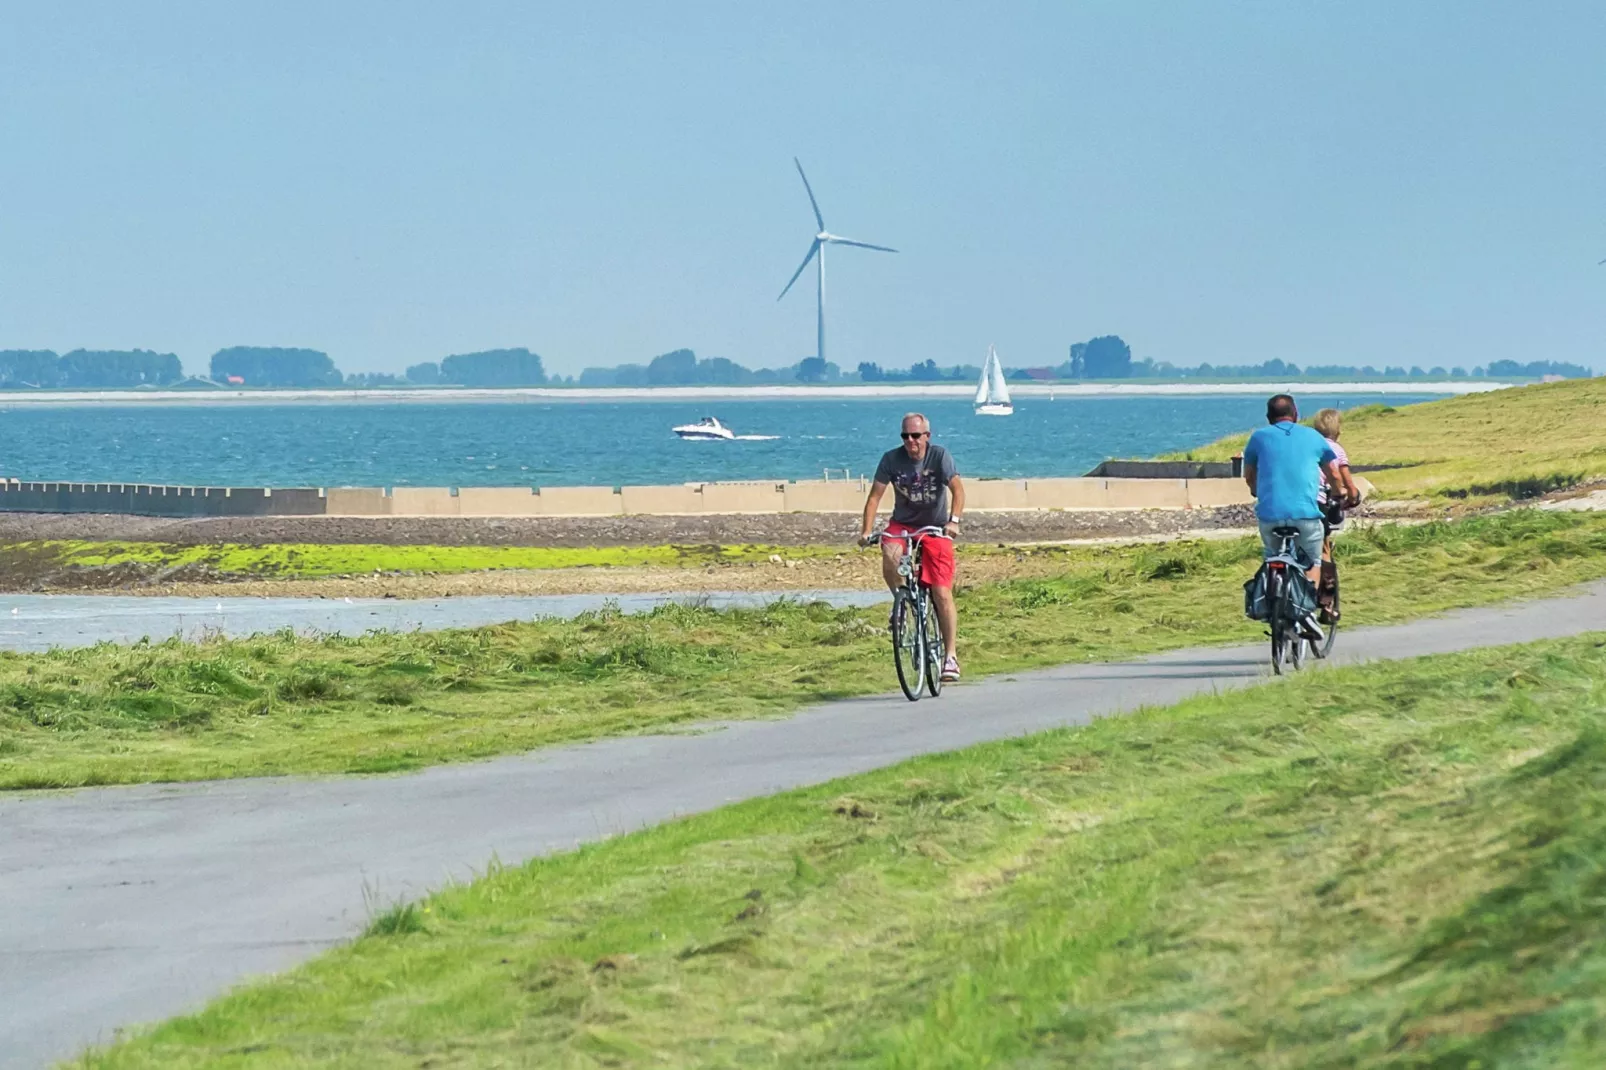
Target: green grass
{"points": [[319, 560], [1478, 448], [1396, 866], [384, 702]]}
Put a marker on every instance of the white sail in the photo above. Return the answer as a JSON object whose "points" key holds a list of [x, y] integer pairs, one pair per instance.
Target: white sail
{"points": [[992, 395], [997, 392]]}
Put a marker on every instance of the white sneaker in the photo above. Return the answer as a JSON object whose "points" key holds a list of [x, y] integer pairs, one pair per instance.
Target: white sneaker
{"points": [[1310, 629], [950, 670]]}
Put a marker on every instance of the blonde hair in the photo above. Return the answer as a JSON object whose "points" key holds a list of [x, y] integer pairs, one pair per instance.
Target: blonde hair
{"points": [[1327, 422]]}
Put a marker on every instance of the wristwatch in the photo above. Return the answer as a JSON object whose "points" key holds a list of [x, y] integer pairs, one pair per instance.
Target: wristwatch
{"points": [[954, 519]]}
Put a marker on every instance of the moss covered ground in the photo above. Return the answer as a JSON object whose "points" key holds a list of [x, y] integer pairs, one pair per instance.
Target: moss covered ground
{"points": [[317, 560]]}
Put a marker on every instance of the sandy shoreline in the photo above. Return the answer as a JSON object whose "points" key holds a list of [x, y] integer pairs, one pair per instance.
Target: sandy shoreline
{"points": [[440, 395]]}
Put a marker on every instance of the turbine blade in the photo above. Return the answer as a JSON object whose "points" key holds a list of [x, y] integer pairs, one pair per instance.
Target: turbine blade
{"points": [[859, 244], [813, 248], [816, 204]]}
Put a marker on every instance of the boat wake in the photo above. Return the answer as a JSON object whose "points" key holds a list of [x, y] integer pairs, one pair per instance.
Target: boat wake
{"points": [[757, 438]]}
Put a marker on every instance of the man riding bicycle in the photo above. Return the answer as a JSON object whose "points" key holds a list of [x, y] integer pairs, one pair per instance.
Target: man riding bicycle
{"points": [[1284, 464], [927, 492]]}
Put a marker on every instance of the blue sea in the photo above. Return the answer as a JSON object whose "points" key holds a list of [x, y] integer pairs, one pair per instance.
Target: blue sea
{"points": [[606, 443]]}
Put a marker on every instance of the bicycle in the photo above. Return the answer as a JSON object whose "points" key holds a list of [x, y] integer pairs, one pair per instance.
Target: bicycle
{"points": [[1284, 572], [918, 651]]}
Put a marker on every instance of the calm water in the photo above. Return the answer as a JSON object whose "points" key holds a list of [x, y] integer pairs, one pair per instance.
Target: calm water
{"points": [[40, 622], [521, 443]]}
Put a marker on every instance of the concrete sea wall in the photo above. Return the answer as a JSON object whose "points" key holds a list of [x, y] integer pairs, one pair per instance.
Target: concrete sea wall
{"points": [[686, 499]]}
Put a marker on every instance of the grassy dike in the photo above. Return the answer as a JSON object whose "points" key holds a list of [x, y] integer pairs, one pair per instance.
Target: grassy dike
{"points": [[385, 702], [1394, 866], [1477, 448]]}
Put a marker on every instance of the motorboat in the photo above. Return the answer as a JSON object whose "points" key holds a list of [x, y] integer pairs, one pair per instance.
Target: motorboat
{"points": [[992, 396], [707, 429]]}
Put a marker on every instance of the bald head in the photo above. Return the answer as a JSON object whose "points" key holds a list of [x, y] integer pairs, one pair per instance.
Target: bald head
{"points": [[916, 434], [1281, 407]]}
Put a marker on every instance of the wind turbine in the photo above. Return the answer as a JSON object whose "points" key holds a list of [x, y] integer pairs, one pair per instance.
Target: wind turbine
{"points": [[817, 249]]}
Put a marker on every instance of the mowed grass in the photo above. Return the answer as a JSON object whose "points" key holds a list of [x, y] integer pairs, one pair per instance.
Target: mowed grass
{"points": [[321, 560], [1396, 866], [384, 702], [1507, 444]]}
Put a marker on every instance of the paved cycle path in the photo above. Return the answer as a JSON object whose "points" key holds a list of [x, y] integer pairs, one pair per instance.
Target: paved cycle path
{"points": [[129, 904]]}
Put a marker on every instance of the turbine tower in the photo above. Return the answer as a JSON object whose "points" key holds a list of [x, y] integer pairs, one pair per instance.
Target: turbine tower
{"points": [[817, 249]]}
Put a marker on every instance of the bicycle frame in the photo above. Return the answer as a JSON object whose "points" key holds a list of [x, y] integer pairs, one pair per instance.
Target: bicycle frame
{"points": [[1286, 642]]}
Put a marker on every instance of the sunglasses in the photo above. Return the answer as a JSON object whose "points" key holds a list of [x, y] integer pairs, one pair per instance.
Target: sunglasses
{"points": [[907, 435]]}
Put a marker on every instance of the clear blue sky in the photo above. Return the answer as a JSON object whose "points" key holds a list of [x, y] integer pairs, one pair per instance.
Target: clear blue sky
{"points": [[1418, 182]]}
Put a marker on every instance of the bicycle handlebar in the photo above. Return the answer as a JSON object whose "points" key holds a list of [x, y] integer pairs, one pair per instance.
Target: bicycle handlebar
{"points": [[930, 531]]}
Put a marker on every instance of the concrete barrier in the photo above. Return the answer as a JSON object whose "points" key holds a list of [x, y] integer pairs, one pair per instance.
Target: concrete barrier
{"points": [[138, 499], [1067, 494], [820, 496], [423, 501], [1147, 493], [996, 494], [357, 501], [580, 501], [498, 501], [744, 497], [683, 499], [1208, 493]]}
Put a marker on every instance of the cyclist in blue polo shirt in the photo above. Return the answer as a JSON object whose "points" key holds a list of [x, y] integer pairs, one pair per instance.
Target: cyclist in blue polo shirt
{"points": [[1284, 464]]}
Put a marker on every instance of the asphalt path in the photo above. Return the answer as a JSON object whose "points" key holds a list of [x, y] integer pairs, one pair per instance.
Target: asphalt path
{"points": [[127, 905]]}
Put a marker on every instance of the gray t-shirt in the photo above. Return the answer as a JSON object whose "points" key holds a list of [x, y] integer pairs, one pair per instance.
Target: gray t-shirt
{"points": [[920, 488]]}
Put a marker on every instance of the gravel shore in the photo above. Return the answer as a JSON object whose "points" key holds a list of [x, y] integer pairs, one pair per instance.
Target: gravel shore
{"points": [[776, 529]]}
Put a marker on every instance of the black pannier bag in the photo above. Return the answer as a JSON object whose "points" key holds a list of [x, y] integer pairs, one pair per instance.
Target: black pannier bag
{"points": [[1301, 594]]}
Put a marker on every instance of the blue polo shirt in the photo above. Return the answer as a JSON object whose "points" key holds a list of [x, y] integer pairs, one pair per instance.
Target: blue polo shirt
{"points": [[1288, 461]]}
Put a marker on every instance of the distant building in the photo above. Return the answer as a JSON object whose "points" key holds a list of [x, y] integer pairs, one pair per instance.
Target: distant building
{"points": [[236, 380]]}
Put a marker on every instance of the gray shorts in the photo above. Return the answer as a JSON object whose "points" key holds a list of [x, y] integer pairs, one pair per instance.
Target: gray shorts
{"points": [[1309, 541]]}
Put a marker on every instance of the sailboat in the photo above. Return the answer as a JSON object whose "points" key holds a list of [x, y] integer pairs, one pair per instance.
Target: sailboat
{"points": [[992, 396]]}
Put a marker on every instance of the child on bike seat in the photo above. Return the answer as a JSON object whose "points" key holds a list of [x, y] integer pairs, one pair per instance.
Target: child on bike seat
{"points": [[1333, 502]]}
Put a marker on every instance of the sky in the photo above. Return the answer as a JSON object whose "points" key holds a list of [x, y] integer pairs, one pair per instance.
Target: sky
{"points": [[1322, 182]]}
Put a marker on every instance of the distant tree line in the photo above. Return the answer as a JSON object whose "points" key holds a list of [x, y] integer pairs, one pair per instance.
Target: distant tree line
{"points": [[87, 368], [1109, 357], [1104, 357], [682, 367], [272, 366], [487, 368], [925, 371]]}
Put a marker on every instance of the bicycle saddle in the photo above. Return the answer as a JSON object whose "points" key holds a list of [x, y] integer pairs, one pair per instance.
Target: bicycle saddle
{"points": [[1284, 529]]}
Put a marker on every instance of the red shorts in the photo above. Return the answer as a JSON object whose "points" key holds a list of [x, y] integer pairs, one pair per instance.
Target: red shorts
{"points": [[936, 556]]}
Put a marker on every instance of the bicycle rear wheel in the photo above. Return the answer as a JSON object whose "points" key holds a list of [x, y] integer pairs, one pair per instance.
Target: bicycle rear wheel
{"points": [[936, 653], [908, 652], [1283, 634]]}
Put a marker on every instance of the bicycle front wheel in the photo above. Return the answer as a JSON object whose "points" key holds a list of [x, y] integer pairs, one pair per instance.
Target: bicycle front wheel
{"points": [[936, 652], [908, 651]]}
